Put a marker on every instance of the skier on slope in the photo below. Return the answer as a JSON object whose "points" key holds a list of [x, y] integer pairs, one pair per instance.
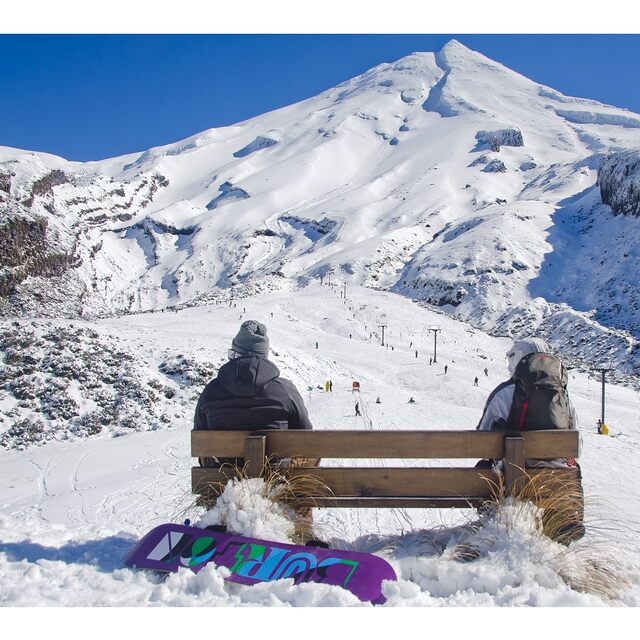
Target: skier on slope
{"points": [[518, 404]]}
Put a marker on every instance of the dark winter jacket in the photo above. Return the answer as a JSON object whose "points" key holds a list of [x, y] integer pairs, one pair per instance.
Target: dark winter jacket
{"points": [[248, 393]]}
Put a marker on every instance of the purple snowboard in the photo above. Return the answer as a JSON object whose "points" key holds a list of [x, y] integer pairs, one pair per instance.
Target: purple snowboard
{"points": [[171, 546]]}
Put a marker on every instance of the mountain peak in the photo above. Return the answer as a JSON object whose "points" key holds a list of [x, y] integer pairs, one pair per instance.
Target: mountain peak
{"points": [[454, 44], [454, 53]]}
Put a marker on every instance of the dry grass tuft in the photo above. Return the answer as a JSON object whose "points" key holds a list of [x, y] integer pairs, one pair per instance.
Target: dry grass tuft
{"points": [[592, 567], [561, 501], [602, 576]]}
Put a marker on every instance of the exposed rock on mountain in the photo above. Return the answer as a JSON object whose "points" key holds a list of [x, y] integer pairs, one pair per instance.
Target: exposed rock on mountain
{"points": [[494, 139], [495, 166], [619, 180], [227, 193], [27, 248]]}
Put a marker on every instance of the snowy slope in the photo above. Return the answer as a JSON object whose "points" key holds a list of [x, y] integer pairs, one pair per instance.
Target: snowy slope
{"points": [[71, 508], [446, 177]]}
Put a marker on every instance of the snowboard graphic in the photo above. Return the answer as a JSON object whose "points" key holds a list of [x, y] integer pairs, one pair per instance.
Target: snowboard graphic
{"points": [[250, 560]]}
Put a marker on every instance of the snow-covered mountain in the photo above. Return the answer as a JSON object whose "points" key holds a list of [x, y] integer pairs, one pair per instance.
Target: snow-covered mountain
{"points": [[445, 177]]}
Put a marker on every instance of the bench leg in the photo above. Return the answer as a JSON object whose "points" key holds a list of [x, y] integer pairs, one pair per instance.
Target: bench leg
{"points": [[255, 455], [514, 463]]}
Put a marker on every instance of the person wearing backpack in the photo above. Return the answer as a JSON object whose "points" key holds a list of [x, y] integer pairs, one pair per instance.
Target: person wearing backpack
{"points": [[534, 397], [512, 405]]}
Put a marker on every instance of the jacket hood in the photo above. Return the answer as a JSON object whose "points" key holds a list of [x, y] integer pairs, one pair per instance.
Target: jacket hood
{"points": [[246, 376], [522, 348]]}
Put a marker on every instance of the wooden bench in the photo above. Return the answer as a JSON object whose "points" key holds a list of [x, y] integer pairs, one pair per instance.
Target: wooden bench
{"points": [[397, 486]]}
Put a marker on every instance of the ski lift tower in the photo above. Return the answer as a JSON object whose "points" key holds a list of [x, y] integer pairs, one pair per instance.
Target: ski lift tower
{"points": [[383, 327], [603, 368], [382, 323], [435, 329]]}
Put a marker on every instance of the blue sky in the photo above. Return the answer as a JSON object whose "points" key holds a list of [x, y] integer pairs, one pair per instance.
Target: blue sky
{"points": [[87, 97]]}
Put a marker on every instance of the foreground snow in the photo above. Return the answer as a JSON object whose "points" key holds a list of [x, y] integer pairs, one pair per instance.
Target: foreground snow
{"points": [[70, 510]]}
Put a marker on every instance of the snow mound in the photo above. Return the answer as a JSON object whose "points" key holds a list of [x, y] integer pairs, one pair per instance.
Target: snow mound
{"points": [[502, 558], [411, 96], [247, 507]]}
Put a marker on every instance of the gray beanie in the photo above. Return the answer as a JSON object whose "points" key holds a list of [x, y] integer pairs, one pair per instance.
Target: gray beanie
{"points": [[251, 339]]}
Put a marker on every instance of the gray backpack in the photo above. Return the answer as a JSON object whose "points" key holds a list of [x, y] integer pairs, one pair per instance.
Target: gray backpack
{"points": [[540, 399]]}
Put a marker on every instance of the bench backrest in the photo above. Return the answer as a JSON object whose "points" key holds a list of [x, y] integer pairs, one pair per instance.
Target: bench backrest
{"points": [[389, 486]]}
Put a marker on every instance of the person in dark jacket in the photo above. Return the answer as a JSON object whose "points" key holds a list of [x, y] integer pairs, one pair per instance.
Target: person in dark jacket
{"points": [[248, 392]]}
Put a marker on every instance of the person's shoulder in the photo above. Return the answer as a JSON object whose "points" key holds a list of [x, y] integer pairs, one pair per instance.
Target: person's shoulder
{"points": [[282, 382], [506, 385], [285, 385], [503, 390], [211, 386]]}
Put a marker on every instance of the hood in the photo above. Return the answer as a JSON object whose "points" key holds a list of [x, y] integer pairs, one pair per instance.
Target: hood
{"points": [[246, 376], [522, 348]]}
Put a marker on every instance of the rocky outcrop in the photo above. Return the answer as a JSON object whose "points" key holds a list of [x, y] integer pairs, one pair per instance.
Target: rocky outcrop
{"points": [[313, 229], [51, 223], [25, 250], [5, 180], [495, 166], [228, 192], [502, 137], [619, 181], [44, 186], [260, 142]]}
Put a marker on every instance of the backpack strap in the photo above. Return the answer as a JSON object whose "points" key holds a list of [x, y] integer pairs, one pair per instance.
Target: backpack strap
{"points": [[499, 388], [523, 415]]}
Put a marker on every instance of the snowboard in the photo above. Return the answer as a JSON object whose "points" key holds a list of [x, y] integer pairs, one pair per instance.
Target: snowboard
{"points": [[169, 547]]}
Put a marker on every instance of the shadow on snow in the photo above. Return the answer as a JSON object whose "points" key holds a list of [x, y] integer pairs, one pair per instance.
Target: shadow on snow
{"points": [[106, 555], [560, 276]]}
